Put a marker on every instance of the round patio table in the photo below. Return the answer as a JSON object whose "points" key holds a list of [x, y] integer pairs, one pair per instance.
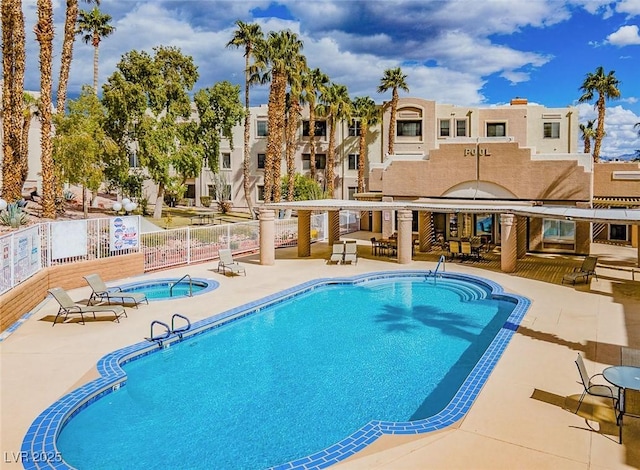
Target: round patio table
{"points": [[623, 376]]}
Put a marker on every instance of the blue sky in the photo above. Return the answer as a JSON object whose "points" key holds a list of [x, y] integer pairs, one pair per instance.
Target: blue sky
{"points": [[466, 52]]}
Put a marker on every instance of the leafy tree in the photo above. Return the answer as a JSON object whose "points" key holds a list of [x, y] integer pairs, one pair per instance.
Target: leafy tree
{"points": [[588, 133], [93, 26], [392, 80], [304, 188], [13, 67], [247, 36], [366, 110], [219, 111], [335, 107], [81, 146], [149, 110], [606, 86]]}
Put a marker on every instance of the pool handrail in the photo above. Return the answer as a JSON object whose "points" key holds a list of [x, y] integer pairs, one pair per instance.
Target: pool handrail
{"points": [[178, 282], [159, 339], [443, 261], [181, 329]]}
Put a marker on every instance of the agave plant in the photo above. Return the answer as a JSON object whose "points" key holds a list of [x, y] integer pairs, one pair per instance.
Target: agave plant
{"points": [[13, 215]]}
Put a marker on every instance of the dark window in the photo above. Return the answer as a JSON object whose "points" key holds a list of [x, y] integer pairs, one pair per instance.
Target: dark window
{"points": [[409, 128], [445, 128], [191, 191], [354, 128], [321, 161], [461, 127], [226, 161], [263, 130], [551, 130], [496, 129], [261, 159], [321, 128], [260, 192], [353, 161]]}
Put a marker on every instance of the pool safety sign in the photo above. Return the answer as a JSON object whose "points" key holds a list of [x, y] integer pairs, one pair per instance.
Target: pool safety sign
{"points": [[124, 233]]}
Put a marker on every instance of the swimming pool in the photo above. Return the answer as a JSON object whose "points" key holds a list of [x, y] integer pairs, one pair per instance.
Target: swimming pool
{"points": [[385, 387], [173, 288]]}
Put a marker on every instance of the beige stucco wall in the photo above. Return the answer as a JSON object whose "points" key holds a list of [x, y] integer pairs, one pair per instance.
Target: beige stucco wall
{"points": [[605, 186]]}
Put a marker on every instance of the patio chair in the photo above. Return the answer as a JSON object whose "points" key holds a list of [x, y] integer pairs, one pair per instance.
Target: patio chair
{"points": [[69, 307], [351, 253], [587, 269], [227, 263], [102, 293], [465, 250], [337, 255], [630, 406], [591, 388], [454, 249]]}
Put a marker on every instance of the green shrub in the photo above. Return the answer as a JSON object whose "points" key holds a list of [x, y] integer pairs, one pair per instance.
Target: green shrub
{"points": [[13, 215], [205, 201]]}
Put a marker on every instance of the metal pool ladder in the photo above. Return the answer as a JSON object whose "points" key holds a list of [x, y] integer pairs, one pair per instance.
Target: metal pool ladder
{"points": [[441, 262], [168, 331], [179, 281]]}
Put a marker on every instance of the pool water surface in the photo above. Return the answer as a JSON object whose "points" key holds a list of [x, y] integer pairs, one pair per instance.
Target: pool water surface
{"points": [[303, 380]]}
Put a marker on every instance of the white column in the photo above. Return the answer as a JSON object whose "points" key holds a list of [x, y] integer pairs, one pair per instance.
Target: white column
{"points": [[405, 240], [267, 237]]}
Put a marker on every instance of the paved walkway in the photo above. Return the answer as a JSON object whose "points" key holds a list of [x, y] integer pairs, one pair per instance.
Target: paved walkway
{"points": [[521, 419]]}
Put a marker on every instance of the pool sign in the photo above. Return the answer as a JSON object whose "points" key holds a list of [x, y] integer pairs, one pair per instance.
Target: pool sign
{"points": [[124, 233]]}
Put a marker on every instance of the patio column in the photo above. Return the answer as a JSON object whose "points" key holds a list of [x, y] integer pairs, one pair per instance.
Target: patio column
{"points": [[425, 230], [405, 239], [387, 219], [521, 237], [304, 234], [509, 249], [267, 237], [334, 227], [638, 242]]}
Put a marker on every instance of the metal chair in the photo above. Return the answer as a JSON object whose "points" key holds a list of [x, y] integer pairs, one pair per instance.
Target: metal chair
{"points": [[590, 388]]}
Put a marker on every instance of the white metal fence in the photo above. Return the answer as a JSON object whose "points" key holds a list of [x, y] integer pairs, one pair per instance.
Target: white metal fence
{"points": [[27, 251]]}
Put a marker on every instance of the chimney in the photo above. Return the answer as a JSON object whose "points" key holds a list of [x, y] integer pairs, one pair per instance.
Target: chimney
{"points": [[516, 101]]}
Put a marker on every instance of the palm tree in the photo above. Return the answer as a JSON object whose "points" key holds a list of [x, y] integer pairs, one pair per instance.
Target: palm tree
{"points": [[588, 133], [44, 35], [70, 19], [93, 26], [313, 83], [392, 80], [366, 110], [293, 123], [247, 36], [336, 107], [274, 57], [31, 109], [13, 67], [607, 88]]}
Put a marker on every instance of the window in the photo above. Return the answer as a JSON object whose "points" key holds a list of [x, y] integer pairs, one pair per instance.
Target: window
{"points": [[211, 190], [352, 190], [260, 192], [321, 128], [354, 128], [353, 161], [461, 127], [445, 130], [618, 232], [226, 161], [409, 128], [191, 191], [496, 129], [261, 159], [133, 160], [263, 130], [558, 230], [321, 161], [551, 130]]}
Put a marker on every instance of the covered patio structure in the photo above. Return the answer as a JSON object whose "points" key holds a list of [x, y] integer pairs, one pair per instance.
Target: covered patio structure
{"points": [[513, 244]]}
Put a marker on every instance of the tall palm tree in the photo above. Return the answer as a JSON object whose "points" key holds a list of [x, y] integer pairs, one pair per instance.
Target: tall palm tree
{"points": [[44, 35], [93, 26], [366, 110], [336, 107], [607, 88], [296, 72], [247, 36], [274, 57], [588, 133], [313, 83], [70, 19], [13, 67], [392, 80]]}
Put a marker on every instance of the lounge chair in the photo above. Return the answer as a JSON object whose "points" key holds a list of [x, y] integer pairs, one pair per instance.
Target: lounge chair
{"points": [[227, 263], [101, 292], [590, 388], [454, 248], [587, 269], [351, 253], [69, 307], [337, 255]]}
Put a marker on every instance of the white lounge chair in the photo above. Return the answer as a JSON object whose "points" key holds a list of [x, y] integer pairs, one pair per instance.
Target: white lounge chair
{"points": [[351, 253], [69, 307], [227, 263], [337, 255]]}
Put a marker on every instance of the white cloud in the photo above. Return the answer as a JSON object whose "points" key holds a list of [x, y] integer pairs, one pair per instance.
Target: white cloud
{"points": [[625, 36], [631, 7], [621, 137]]}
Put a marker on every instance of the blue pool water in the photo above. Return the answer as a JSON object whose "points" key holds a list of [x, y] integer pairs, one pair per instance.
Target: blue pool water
{"points": [[166, 289], [294, 378]]}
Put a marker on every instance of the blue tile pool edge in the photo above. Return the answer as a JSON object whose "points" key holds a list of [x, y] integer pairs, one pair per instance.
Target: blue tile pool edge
{"points": [[209, 285], [39, 449]]}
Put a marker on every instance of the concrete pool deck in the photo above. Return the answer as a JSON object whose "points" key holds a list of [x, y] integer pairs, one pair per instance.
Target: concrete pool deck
{"points": [[522, 418]]}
